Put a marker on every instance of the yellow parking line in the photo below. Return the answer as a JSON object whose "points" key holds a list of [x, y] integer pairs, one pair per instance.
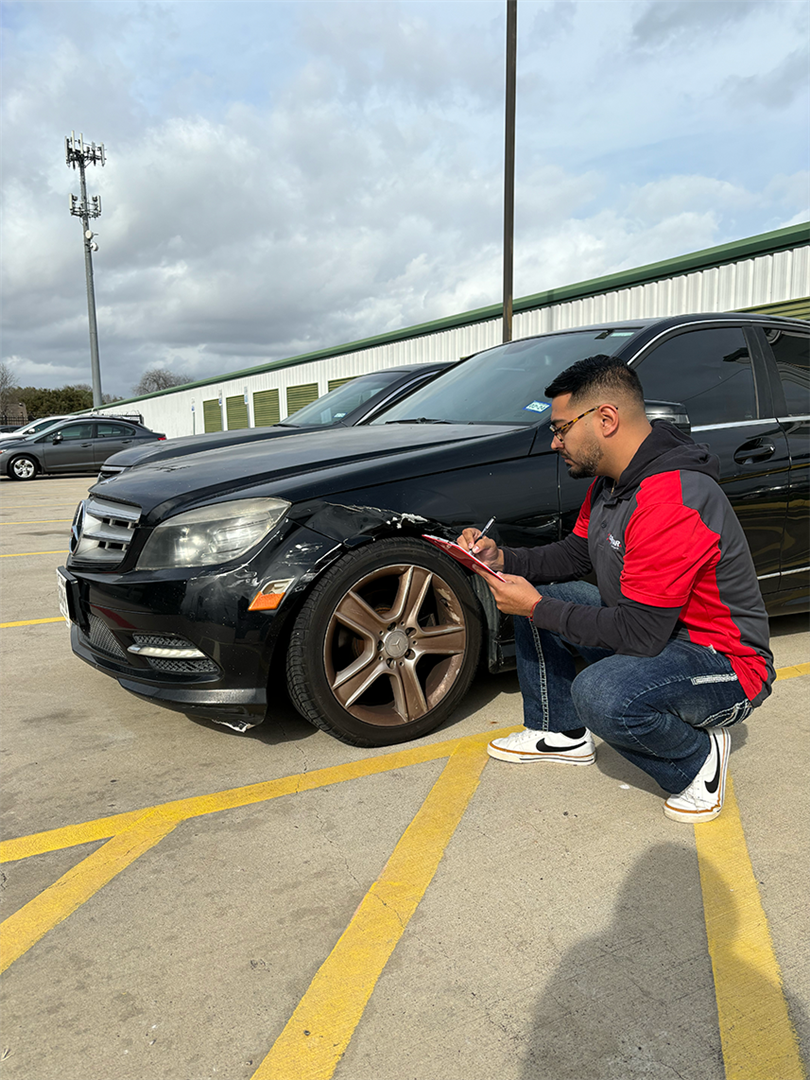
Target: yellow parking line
{"points": [[31, 622], [22, 847], [318, 1032], [757, 1036], [793, 671], [25, 554], [25, 927], [135, 832]]}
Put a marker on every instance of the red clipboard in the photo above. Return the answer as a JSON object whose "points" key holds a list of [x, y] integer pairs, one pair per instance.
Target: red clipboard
{"points": [[466, 558]]}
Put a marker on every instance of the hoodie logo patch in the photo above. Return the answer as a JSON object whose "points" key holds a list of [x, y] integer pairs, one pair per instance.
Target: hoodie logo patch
{"points": [[614, 543]]}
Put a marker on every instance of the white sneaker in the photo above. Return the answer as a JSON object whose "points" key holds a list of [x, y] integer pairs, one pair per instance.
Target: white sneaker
{"points": [[703, 799], [574, 748]]}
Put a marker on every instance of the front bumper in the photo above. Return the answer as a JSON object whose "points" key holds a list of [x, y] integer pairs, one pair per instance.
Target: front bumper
{"points": [[191, 643]]}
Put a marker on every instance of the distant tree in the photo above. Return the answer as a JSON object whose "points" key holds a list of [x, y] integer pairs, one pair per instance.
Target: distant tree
{"points": [[159, 379], [8, 389], [68, 399]]}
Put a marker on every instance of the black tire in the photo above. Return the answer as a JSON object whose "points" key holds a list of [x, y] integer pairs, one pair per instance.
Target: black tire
{"points": [[23, 467], [386, 645]]}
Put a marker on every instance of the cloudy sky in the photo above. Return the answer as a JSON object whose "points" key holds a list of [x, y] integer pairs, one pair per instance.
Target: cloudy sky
{"points": [[283, 177]]}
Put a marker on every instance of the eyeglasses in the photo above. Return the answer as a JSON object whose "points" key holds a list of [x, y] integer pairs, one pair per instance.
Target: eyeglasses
{"points": [[559, 432]]}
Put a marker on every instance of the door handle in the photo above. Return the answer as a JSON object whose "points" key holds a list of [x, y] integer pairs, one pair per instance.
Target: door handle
{"points": [[756, 450]]}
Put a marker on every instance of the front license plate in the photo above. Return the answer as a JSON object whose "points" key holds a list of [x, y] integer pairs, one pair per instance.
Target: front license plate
{"points": [[62, 593]]}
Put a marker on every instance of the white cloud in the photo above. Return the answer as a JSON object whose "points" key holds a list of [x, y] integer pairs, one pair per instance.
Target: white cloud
{"points": [[283, 177]]}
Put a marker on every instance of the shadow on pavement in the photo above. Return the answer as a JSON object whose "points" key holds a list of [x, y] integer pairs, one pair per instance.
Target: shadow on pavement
{"points": [[637, 999]]}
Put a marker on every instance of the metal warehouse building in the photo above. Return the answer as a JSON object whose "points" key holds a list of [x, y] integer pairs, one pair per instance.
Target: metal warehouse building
{"points": [[769, 273]]}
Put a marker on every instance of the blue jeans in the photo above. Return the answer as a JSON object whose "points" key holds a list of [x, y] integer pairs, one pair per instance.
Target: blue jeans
{"points": [[652, 709]]}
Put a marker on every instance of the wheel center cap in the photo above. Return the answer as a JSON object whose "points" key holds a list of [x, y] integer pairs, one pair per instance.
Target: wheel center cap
{"points": [[397, 644]]}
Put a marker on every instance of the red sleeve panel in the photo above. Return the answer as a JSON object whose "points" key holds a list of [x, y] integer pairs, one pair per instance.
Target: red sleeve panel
{"points": [[675, 558], [667, 545], [581, 527]]}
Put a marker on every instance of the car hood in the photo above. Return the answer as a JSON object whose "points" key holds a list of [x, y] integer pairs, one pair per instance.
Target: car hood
{"points": [[315, 464], [17, 440], [195, 444]]}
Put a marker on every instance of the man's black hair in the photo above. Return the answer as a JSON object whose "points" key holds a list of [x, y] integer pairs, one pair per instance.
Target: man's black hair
{"points": [[597, 375]]}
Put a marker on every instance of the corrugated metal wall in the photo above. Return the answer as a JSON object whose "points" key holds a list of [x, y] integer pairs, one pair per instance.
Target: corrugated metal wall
{"points": [[764, 281]]}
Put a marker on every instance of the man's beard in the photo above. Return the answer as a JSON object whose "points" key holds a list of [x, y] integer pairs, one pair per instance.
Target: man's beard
{"points": [[587, 462]]}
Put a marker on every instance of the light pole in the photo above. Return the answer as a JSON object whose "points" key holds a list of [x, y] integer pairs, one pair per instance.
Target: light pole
{"points": [[79, 155], [509, 167]]}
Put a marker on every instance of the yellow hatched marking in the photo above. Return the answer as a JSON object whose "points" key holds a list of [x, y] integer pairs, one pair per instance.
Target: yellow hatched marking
{"points": [[758, 1039], [33, 921], [137, 831], [22, 847], [318, 1032]]}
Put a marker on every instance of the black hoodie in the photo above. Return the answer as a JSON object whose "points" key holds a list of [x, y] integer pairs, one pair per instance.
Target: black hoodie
{"points": [[671, 560]]}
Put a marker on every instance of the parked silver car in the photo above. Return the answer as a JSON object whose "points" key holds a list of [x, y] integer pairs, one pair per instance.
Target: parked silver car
{"points": [[78, 445]]}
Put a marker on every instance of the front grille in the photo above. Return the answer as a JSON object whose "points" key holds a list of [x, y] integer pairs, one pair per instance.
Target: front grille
{"points": [[101, 638], [103, 530]]}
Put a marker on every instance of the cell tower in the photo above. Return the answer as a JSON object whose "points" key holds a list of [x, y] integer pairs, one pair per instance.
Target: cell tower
{"points": [[78, 155]]}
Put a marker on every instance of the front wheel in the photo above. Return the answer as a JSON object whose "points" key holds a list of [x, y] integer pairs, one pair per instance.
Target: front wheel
{"points": [[386, 645], [22, 468]]}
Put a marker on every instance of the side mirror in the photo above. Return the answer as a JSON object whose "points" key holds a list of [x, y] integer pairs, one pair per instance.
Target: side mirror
{"points": [[57, 438], [669, 410]]}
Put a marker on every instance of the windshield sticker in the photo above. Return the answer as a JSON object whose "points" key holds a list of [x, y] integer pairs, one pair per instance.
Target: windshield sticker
{"points": [[537, 406]]}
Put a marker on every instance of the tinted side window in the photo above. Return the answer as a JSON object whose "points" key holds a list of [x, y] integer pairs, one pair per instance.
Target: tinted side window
{"points": [[709, 371], [792, 352], [77, 431], [118, 430]]}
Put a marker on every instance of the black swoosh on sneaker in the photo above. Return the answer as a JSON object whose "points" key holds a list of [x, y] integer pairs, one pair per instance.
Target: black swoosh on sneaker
{"points": [[544, 748], [713, 784]]}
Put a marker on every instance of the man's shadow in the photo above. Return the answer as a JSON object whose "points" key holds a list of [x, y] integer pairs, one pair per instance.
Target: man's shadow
{"points": [[637, 999]]}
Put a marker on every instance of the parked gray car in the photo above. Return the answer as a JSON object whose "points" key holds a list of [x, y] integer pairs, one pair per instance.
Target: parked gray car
{"points": [[69, 446]]}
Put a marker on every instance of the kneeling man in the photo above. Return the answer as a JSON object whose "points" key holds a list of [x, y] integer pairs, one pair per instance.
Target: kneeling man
{"points": [[674, 633]]}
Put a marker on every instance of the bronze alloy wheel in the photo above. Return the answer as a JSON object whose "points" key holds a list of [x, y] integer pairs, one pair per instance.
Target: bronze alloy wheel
{"points": [[397, 644], [391, 659]]}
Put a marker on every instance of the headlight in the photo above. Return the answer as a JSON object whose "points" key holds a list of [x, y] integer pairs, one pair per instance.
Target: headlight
{"points": [[211, 534]]}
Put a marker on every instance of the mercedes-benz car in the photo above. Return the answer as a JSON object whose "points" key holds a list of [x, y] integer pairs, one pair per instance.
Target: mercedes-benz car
{"points": [[217, 583], [355, 402], [76, 445]]}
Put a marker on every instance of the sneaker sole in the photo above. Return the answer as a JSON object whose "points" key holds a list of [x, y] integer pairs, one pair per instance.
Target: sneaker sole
{"points": [[695, 817], [519, 757]]}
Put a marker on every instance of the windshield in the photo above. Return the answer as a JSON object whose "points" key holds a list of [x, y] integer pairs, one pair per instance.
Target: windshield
{"points": [[332, 407], [47, 429], [503, 385], [35, 428]]}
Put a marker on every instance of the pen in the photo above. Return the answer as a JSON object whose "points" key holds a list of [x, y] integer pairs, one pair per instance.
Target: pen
{"points": [[483, 533]]}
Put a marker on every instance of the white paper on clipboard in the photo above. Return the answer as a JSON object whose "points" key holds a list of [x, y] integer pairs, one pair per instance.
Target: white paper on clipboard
{"points": [[466, 558]]}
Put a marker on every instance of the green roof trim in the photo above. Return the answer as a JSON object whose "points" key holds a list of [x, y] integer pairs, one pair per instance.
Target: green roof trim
{"points": [[763, 244]]}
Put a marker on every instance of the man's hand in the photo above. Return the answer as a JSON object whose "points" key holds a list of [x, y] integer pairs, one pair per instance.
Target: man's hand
{"points": [[483, 547], [515, 596]]}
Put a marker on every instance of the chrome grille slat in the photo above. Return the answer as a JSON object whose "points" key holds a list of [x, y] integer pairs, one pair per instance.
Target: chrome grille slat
{"points": [[102, 530]]}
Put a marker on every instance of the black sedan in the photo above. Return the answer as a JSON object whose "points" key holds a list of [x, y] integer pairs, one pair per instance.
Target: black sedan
{"points": [[216, 584], [72, 446], [355, 402]]}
